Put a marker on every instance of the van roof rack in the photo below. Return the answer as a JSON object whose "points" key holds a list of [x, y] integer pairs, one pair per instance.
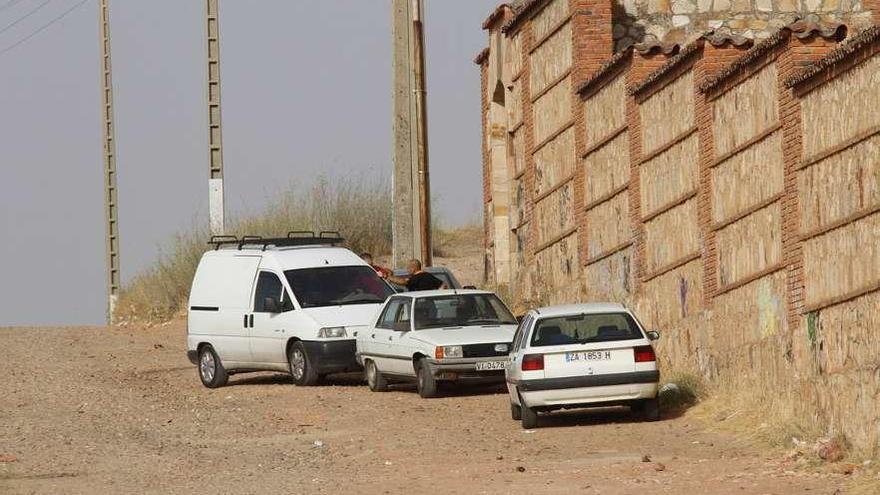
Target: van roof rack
{"points": [[293, 238]]}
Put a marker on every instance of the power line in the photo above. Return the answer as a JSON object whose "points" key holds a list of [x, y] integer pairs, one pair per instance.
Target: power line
{"points": [[32, 12], [8, 4], [43, 27]]}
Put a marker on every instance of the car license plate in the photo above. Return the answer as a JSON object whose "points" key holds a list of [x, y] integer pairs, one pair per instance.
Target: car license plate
{"points": [[490, 365], [587, 356]]}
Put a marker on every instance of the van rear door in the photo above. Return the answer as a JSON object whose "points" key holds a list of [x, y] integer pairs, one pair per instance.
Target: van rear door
{"points": [[220, 301]]}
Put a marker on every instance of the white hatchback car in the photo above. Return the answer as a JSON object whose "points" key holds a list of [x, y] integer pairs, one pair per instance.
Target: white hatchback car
{"points": [[583, 355], [442, 335]]}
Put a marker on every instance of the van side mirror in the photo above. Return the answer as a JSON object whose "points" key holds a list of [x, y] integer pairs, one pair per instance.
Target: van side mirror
{"points": [[271, 305], [653, 335]]}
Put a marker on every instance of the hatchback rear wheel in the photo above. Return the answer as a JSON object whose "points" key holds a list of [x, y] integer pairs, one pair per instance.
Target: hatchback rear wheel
{"points": [[515, 412], [528, 416], [651, 409]]}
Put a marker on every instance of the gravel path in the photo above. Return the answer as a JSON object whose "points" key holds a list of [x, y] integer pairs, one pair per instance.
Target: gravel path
{"points": [[94, 410]]}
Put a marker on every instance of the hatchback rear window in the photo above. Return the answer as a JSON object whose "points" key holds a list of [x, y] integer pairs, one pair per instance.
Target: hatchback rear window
{"points": [[583, 329]]}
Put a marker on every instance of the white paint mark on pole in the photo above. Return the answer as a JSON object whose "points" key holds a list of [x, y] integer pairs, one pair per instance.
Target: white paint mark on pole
{"points": [[215, 202]]}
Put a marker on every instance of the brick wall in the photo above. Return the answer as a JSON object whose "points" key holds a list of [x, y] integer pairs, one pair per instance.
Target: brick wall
{"points": [[725, 164]]}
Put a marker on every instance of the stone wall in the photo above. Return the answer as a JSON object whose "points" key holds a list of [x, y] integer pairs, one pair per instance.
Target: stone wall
{"points": [[726, 190], [683, 20]]}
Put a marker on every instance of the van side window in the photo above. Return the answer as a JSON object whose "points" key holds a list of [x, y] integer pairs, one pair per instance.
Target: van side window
{"points": [[269, 285]]}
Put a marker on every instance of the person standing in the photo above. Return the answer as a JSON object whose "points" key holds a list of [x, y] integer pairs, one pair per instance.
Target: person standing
{"points": [[418, 278], [380, 270]]}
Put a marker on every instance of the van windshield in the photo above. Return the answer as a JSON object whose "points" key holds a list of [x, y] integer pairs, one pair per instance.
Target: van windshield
{"points": [[586, 328], [337, 286]]}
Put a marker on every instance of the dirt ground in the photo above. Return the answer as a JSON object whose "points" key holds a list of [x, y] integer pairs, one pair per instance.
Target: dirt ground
{"points": [[95, 410]]}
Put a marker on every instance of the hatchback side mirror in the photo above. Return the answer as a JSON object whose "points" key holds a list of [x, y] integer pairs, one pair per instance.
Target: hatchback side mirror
{"points": [[270, 305], [653, 335]]}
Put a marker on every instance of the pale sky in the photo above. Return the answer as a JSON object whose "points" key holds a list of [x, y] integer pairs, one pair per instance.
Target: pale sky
{"points": [[306, 89]]}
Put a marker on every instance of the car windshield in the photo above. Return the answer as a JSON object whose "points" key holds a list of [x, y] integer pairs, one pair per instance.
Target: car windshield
{"points": [[337, 286], [582, 329], [461, 310]]}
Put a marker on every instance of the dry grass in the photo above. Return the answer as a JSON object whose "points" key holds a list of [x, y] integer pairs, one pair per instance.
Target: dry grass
{"points": [[760, 419], [357, 207], [682, 390]]}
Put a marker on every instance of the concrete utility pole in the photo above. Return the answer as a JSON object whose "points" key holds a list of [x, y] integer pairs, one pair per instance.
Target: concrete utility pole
{"points": [[411, 191], [110, 192], [215, 134]]}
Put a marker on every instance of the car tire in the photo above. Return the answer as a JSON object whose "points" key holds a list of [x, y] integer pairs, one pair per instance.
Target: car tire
{"points": [[515, 412], [651, 410], [211, 370], [425, 382], [528, 417], [375, 380], [300, 366]]}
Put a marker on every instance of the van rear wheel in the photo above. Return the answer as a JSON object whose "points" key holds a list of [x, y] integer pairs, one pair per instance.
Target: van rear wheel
{"points": [[211, 370], [300, 366]]}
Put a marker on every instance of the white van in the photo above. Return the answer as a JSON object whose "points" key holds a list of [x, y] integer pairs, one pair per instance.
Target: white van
{"points": [[291, 304]]}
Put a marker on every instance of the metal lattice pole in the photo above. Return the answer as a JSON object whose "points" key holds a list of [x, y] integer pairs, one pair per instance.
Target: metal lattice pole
{"points": [[215, 134], [110, 191]]}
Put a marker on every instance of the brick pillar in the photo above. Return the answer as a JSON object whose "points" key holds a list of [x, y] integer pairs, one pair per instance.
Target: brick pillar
{"points": [[592, 45], [713, 60], [798, 54], [529, 145], [592, 41], [642, 65]]}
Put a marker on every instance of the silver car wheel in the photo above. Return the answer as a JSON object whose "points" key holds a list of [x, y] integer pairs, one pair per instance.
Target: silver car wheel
{"points": [[207, 366], [297, 364]]}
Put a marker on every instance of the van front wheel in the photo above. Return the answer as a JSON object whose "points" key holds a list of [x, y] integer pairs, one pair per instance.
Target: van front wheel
{"points": [[300, 366]]}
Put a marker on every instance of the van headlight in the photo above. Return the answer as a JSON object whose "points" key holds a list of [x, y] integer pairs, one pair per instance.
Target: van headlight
{"points": [[448, 351], [331, 333]]}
